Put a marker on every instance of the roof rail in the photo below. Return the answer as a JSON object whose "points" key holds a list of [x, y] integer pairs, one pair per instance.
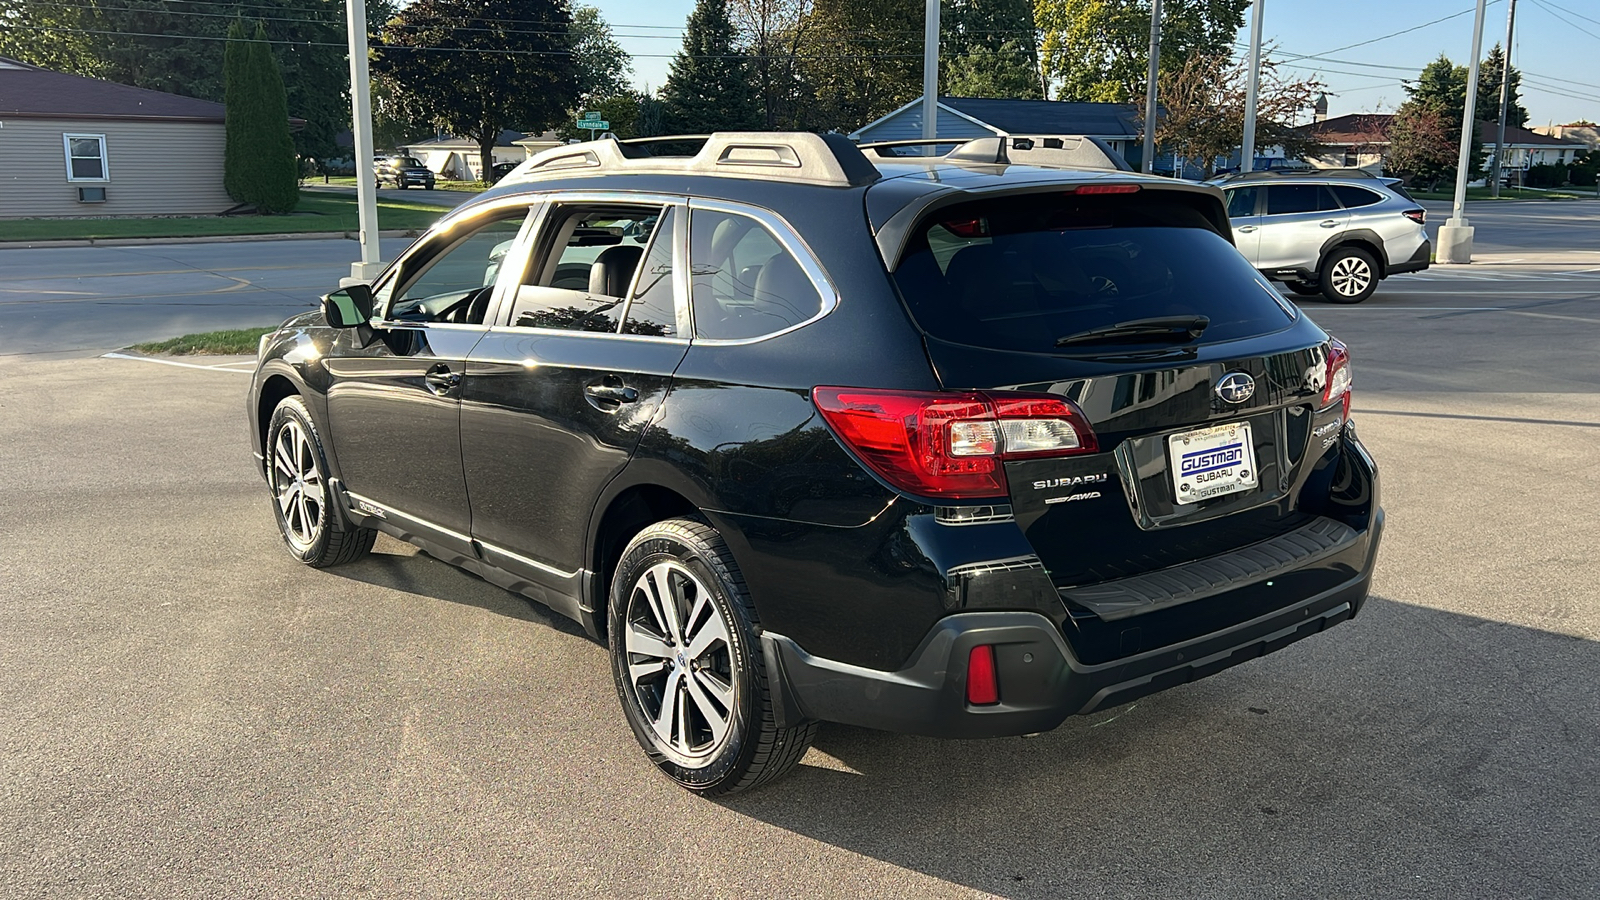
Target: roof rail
{"points": [[793, 156], [1066, 151], [1312, 172]]}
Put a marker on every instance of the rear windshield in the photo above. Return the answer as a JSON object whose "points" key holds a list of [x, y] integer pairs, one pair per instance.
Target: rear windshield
{"points": [[1018, 273]]}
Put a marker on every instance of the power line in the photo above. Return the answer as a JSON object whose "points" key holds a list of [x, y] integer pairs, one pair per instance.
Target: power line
{"points": [[1395, 34], [1564, 20]]}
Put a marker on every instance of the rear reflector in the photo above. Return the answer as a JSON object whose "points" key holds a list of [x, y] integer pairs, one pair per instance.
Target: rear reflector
{"points": [[983, 688], [1106, 189], [951, 444]]}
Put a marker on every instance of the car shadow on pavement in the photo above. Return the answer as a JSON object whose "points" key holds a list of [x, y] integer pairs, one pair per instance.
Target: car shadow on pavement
{"points": [[1411, 752], [402, 567]]}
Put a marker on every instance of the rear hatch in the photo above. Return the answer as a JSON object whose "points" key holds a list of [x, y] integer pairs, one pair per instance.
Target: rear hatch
{"points": [[1200, 386]]}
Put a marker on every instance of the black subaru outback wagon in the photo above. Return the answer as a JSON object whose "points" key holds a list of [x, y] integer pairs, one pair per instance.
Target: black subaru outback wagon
{"points": [[954, 445]]}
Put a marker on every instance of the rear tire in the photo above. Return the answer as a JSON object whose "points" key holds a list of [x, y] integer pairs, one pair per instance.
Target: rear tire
{"points": [[688, 666], [1349, 275], [1303, 288], [313, 526]]}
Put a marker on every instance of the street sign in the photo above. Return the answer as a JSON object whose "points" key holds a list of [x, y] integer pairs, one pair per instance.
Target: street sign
{"points": [[595, 124], [589, 120]]}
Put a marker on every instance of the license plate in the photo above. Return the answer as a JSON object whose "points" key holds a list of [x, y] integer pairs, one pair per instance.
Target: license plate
{"points": [[1210, 462]]}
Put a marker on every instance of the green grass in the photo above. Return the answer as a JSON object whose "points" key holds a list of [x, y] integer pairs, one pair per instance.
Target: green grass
{"points": [[1482, 193], [318, 211], [236, 342], [443, 183]]}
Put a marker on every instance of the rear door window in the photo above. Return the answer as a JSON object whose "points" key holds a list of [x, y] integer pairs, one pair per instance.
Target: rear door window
{"points": [[586, 261], [1018, 273], [1241, 202], [746, 284]]}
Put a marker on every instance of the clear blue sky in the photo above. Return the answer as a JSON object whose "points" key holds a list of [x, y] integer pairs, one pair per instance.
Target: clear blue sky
{"points": [[1561, 80]]}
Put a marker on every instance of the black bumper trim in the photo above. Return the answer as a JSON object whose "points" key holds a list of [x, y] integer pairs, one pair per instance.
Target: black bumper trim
{"points": [[1419, 260], [1041, 680], [1203, 578]]}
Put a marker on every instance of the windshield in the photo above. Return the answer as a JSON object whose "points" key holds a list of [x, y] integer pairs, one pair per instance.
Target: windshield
{"points": [[1019, 273]]}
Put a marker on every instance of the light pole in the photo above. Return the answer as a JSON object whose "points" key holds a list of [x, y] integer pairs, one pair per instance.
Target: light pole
{"points": [[1247, 152], [1505, 101], [930, 74], [1455, 235], [361, 126], [1148, 164]]}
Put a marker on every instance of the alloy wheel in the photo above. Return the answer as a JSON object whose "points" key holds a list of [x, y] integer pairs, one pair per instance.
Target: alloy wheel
{"points": [[680, 662], [297, 485], [1350, 276]]}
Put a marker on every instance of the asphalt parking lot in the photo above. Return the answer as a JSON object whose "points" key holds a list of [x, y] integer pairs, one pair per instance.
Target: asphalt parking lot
{"points": [[186, 712]]}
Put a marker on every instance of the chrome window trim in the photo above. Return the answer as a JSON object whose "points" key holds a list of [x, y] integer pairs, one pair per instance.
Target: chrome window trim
{"points": [[563, 332], [790, 240], [680, 255]]}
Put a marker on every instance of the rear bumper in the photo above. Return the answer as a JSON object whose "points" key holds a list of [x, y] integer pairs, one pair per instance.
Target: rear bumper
{"points": [[1419, 260], [1042, 681]]}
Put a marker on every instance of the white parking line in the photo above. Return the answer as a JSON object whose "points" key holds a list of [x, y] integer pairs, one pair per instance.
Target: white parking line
{"points": [[223, 367]]}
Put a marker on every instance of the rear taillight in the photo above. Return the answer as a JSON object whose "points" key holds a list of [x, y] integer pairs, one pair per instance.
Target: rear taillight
{"points": [[1419, 216], [1339, 377], [951, 444], [1105, 189]]}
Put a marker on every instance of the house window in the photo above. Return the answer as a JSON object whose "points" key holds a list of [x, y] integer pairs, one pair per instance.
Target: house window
{"points": [[1351, 158], [86, 157]]}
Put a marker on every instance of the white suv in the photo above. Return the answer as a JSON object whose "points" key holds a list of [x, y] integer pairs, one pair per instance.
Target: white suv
{"points": [[1337, 233]]}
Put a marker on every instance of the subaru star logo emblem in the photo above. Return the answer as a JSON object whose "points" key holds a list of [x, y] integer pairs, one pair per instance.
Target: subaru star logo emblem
{"points": [[1236, 387]]}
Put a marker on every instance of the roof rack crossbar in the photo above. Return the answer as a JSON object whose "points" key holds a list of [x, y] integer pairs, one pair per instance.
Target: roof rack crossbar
{"points": [[792, 156]]}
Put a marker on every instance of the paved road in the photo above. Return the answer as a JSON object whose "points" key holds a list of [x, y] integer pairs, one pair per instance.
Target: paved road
{"points": [[1512, 228], [185, 712]]}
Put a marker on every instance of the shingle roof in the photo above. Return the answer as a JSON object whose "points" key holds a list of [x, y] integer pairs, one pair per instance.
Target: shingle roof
{"points": [[28, 91], [1355, 128], [1522, 137], [1050, 116]]}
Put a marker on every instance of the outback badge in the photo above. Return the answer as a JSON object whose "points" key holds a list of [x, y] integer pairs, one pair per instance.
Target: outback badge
{"points": [[1236, 387]]}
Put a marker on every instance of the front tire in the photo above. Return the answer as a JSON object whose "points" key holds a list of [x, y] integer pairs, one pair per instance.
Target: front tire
{"points": [[313, 526], [688, 666], [1349, 275]]}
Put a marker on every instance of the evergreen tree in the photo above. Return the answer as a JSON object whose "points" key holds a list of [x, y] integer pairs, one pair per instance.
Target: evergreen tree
{"points": [[1489, 74], [987, 49], [1427, 127], [259, 163], [280, 165], [1005, 72], [236, 146], [709, 84]]}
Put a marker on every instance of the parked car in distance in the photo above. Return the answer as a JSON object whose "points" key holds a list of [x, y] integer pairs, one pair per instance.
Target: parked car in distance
{"points": [[501, 170], [1335, 232], [954, 445], [402, 172]]}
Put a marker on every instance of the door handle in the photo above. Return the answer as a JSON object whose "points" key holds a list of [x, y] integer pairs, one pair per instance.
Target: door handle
{"points": [[1245, 229], [440, 379], [1329, 223], [610, 390]]}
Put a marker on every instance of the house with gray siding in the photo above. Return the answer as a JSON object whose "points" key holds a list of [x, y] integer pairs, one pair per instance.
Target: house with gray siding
{"points": [[75, 146], [966, 117]]}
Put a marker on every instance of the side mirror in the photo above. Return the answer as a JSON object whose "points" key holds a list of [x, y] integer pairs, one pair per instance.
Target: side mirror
{"points": [[348, 307]]}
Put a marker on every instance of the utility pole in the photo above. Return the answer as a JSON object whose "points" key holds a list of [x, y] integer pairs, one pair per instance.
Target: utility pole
{"points": [[1247, 153], [930, 74], [361, 124], [1455, 235], [1505, 101], [1149, 161]]}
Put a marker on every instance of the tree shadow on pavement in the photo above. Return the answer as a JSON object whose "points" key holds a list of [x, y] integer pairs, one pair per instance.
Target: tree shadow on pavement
{"points": [[1409, 753]]}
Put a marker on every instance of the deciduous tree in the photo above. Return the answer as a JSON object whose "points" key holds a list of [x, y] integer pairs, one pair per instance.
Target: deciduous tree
{"points": [[479, 67], [861, 59], [773, 33], [1099, 50], [1204, 100]]}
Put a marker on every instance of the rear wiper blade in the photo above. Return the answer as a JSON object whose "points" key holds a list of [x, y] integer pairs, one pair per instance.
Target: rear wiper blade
{"points": [[1178, 327]]}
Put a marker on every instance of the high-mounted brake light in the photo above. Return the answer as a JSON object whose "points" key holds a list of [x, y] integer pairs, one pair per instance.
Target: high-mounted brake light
{"points": [[1340, 377], [1419, 216], [1106, 189], [952, 444], [974, 227]]}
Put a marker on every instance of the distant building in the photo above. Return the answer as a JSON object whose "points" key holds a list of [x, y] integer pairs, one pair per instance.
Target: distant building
{"points": [[1586, 132], [964, 117], [460, 159], [74, 146], [1361, 140]]}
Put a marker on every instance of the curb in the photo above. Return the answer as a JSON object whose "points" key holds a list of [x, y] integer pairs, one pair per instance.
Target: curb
{"points": [[199, 239]]}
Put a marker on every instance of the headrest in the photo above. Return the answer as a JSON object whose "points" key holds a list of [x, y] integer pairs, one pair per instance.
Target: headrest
{"points": [[612, 270]]}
